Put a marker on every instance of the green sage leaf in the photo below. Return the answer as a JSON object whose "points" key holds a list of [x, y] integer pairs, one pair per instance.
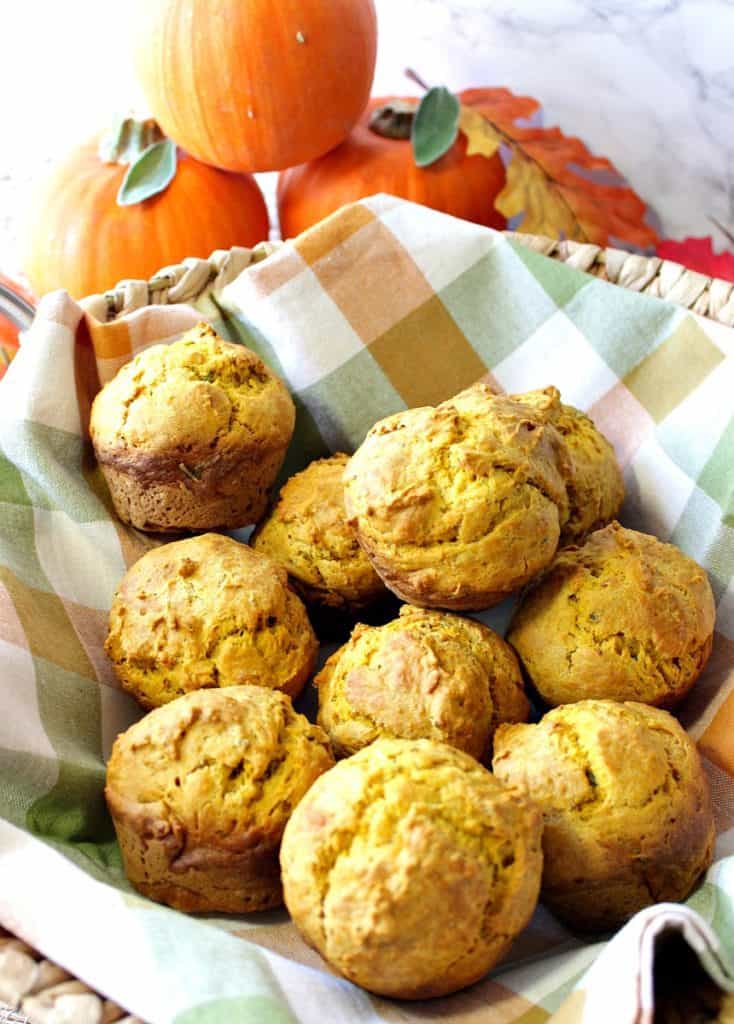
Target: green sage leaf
{"points": [[435, 126], [151, 173]]}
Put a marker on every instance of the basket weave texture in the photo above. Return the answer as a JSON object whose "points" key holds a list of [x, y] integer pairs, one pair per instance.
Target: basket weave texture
{"points": [[185, 282], [35, 991]]}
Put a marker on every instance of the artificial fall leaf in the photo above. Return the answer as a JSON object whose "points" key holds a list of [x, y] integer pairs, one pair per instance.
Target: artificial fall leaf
{"points": [[558, 186], [698, 254], [481, 136], [526, 192], [500, 106]]}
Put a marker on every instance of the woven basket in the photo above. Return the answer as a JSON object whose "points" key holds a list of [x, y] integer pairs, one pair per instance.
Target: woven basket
{"points": [[34, 990], [706, 296]]}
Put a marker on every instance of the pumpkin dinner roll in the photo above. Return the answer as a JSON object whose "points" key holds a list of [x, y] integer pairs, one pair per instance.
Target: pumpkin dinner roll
{"points": [[200, 791], [308, 534], [426, 674], [461, 504], [191, 435], [593, 481], [590, 470], [628, 817], [207, 612], [623, 616], [410, 868]]}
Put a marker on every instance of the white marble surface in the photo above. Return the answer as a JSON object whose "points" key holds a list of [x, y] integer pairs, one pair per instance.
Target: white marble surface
{"points": [[648, 83]]}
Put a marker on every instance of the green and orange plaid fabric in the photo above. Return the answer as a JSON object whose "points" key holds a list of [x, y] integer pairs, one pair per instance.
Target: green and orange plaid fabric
{"points": [[384, 306]]}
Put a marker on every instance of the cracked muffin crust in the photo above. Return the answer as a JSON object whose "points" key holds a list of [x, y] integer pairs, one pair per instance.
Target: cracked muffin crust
{"points": [[410, 868], [207, 612], [461, 504], [191, 435], [623, 616], [590, 470], [426, 674], [628, 817], [308, 534], [200, 792], [594, 481]]}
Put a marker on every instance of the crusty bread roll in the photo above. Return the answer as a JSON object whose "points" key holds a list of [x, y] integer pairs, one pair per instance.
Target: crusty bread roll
{"points": [[593, 478], [426, 674], [308, 534], [205, 612], [200, 791], [628, 817], [410, 868], [623, 616], [461, 504], [191, 435]]}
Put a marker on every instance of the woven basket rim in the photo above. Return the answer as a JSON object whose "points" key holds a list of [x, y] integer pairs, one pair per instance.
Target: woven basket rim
{"points": [[712, 298]]}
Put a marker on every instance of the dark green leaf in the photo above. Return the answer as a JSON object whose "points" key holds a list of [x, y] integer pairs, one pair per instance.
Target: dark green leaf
{"points": [[151, 173], [436, 125]]}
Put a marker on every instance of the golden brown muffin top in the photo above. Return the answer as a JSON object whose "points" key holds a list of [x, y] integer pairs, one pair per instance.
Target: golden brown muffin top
{"points": [[307, 532], [440, 496], [619, 763], [594, 482], [426, 674], [197, 399], [622, 610], [207, 611], [628, 817], [215, 770], [408, 863], [425, 476]]}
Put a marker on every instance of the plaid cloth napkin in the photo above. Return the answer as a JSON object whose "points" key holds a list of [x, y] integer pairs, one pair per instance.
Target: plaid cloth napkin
{"points": [[383, 306]]}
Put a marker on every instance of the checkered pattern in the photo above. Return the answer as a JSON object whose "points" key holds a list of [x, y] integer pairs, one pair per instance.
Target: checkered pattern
{"points": [[383, 306]]}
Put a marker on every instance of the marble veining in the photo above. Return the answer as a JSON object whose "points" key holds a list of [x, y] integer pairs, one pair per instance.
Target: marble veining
{"points": [[649, 84]]}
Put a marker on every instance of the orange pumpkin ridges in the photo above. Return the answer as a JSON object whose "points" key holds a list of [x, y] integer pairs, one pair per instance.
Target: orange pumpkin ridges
{"points": [[256, 86], [368, 162], [79, 239]]}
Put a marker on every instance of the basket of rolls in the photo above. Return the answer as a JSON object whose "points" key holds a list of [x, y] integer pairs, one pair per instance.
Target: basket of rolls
{"points": [[368, 638]]}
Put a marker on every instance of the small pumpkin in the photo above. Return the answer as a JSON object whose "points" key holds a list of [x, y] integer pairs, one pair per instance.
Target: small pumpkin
{"points": [[256, 85], [82, 239], [378, 157]]}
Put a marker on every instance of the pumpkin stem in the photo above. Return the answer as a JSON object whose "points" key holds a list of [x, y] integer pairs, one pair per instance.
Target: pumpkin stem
{"points": [[415, 77], [394, 120], [128, 139]]}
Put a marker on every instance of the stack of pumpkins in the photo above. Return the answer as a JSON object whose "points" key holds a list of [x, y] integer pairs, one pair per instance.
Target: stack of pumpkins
{"points": [[240, 87]]}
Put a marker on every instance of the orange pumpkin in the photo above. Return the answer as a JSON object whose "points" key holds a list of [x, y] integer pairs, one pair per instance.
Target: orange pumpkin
{"points": [[378, 157], [256, 85], [80, 239]]}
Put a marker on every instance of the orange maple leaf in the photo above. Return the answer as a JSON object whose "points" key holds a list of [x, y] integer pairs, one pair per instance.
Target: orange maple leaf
{"points": [[553, 181]]}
